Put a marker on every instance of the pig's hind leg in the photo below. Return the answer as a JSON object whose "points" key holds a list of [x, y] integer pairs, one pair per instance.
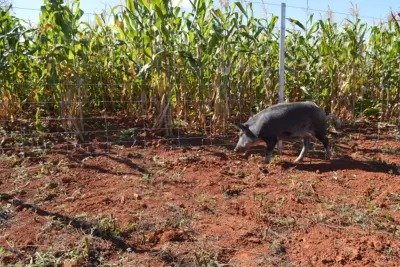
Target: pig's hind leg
{"points": [[306, 145]]}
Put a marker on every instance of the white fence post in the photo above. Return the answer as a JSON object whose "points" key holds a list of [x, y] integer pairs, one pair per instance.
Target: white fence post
{"points": [[282, 53], [282, 62]]}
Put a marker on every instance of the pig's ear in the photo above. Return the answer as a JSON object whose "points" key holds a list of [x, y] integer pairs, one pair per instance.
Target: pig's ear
{"points": [[243, 127]]}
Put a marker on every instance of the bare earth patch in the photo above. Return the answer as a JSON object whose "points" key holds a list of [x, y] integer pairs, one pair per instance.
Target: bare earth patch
{"points": [[198, 206]]}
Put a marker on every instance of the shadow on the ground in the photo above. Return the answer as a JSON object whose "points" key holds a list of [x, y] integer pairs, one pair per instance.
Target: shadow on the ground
{"points": [[344, 163], [121, 160], [82, 225]]}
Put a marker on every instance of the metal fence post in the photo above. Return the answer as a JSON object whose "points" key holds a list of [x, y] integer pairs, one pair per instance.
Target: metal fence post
{"points": [[282, 62]]}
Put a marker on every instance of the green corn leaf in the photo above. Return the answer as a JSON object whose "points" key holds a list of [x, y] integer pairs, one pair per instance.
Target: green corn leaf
{"points": [[298, 23]]}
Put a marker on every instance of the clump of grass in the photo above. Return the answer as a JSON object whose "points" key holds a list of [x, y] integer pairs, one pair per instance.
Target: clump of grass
{"points": [[108, 225], [229, 170], [128, 133], [232, 190], [177, 176], [206, 259], [84, 254], [391, 151], [148, 178], [189, 159], [20, 174]]}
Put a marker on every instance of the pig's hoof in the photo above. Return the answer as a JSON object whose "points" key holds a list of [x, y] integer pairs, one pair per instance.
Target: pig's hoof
{"points": [[266, 161], [298, 160]]}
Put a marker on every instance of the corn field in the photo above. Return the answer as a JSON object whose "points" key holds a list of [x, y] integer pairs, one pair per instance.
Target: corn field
{"points": [[204, 67]]}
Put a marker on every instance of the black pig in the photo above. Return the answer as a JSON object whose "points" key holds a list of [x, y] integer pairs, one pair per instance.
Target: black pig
{"points": [[284, 122]]}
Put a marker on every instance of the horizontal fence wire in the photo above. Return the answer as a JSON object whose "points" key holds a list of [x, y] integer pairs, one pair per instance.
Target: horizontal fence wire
{"points": [[303, 8], [231, 100]]}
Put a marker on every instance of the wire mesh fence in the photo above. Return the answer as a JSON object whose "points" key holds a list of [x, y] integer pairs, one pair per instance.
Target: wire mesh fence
{"points": [[87, 109], [114, 83]]}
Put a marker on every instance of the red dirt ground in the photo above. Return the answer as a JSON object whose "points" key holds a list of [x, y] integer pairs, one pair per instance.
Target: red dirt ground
{"points": [[203, 206]]}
